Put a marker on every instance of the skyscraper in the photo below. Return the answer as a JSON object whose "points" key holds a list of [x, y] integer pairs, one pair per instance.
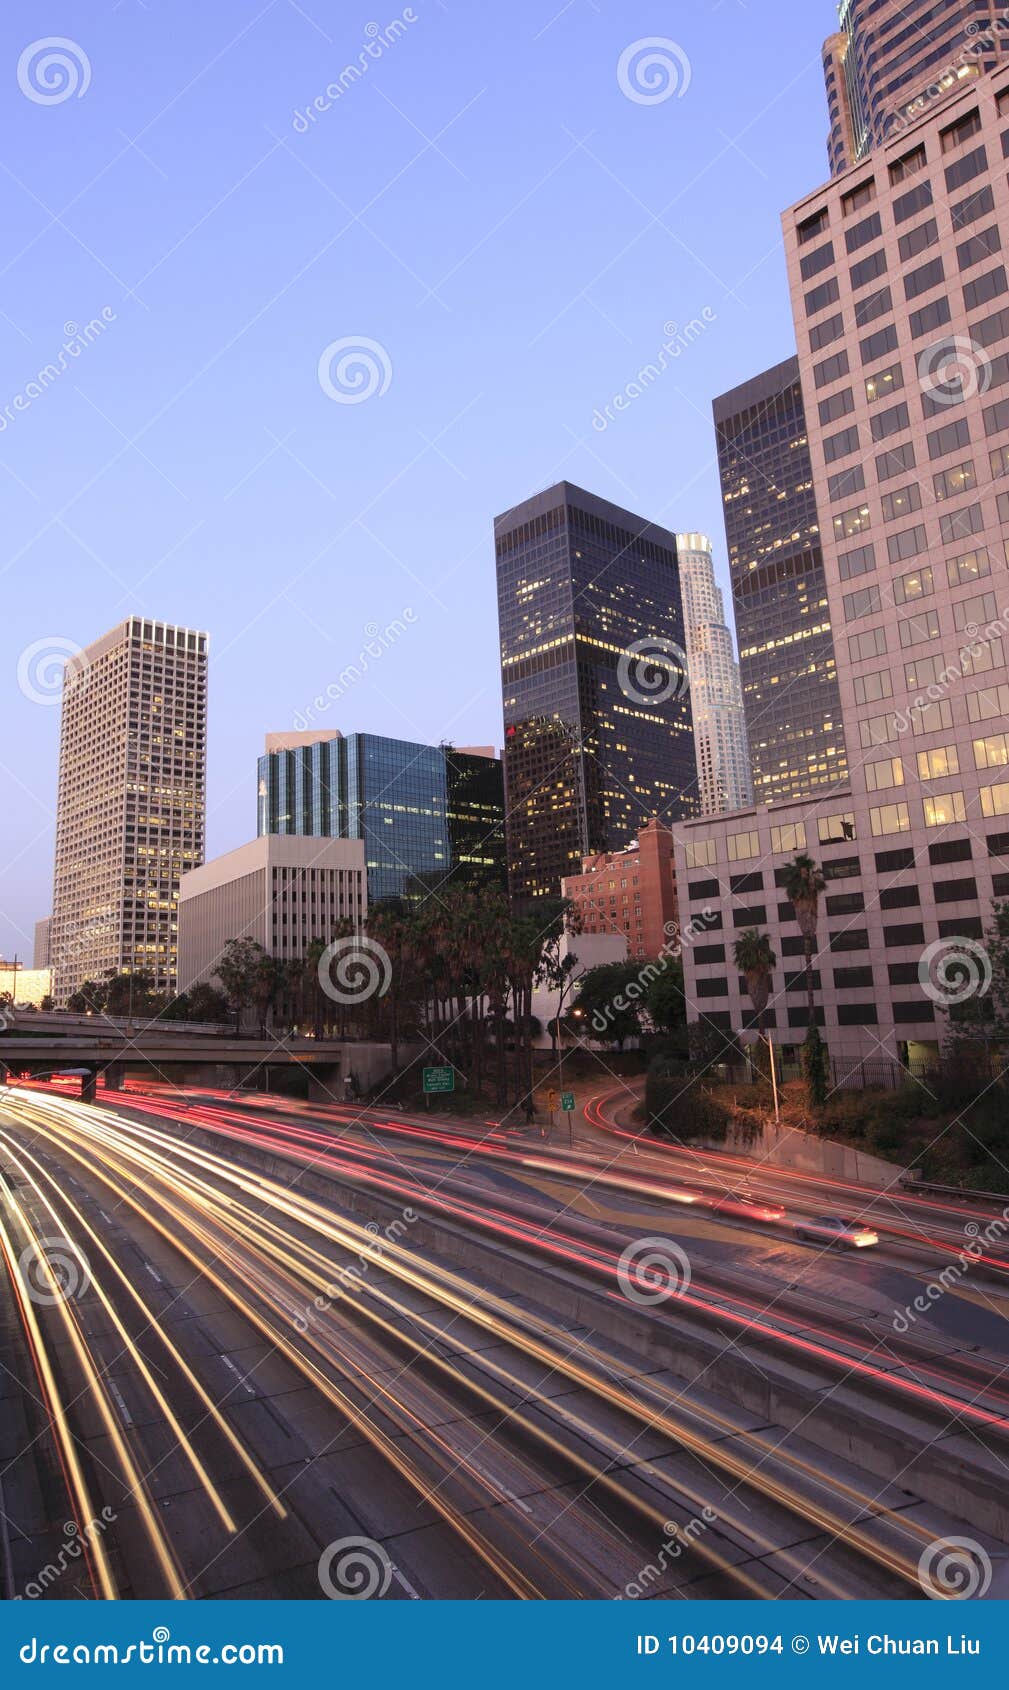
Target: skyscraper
{"points": [[598, 731], [786, 647], [723, 755], [890, 60], [909, 443], [131, 806], [424, 812]]}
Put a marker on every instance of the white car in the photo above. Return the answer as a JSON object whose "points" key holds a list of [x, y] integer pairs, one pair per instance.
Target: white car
{"points": [[831, 1229]]}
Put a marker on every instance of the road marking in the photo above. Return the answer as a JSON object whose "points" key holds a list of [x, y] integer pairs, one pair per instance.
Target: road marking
{"points": [[120, 1400], [242, 1380], [152, 1273]]}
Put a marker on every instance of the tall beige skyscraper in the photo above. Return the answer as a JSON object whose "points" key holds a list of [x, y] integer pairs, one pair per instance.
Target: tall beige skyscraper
{"points": [[725, 779], [131, 808]]}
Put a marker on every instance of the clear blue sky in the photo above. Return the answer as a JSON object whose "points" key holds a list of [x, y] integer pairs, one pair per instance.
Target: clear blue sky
{"points": [[488, 205]]}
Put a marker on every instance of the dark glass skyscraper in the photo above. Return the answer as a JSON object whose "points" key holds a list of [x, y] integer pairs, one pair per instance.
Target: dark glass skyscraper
{"points": [[425, 812], [598, 730], [891, 60], [786, 648]]}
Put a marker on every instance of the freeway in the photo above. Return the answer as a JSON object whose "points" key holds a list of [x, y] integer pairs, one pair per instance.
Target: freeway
{"points": [[227, 1357]]}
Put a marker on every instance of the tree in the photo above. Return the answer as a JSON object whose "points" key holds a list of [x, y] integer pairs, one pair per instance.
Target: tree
{"points": [[237, 971], [46, 1003], [269, 978], [755, 959], [610, 1001], [814, 1066], [89, 998], [127, 994], [665, 1000], [803, 883]]}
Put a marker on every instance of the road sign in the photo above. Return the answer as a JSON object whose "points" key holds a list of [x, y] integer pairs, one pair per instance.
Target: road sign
{"points": [[568, 1102], [439, 1079], [551, 1100]]}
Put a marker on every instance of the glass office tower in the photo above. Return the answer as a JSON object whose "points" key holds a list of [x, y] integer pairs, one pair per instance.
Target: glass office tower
{"points": [[598, 729], [786, 647], [424, 812]]}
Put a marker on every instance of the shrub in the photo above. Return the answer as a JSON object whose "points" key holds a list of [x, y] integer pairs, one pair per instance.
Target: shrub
{"points": [[678, 1106]]}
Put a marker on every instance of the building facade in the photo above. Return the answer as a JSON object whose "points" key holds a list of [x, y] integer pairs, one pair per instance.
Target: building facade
{"points": [[631, 893], [281, 892], [721, 748], [890, 61], [900, 291], [131, 804], [598, 728], [42, 943], [423, 812], [24, 985], [783, 628]]}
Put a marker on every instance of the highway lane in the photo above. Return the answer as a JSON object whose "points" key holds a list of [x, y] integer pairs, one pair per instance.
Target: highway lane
{"points": [[725, 1219], [538, 1495]]}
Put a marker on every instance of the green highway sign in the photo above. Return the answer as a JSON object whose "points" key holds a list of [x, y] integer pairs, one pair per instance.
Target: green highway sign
{"points": [[439, 1079], [568, 1102]]}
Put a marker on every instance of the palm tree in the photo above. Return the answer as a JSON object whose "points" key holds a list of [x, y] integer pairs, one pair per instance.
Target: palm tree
{"points": [[803, 883], [756, 960]]}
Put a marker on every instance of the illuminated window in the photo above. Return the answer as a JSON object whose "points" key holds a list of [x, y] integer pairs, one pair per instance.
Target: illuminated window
{"points": [[890, 818], [995, 800], [789, 837], [939, 763], [743, 846], [700, 853], [888, 772], [992, 753], [942, 812], [917, 584]]}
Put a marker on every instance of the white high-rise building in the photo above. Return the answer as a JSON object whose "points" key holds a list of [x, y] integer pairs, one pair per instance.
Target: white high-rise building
{"points": [[725, 779], [131, 808]]}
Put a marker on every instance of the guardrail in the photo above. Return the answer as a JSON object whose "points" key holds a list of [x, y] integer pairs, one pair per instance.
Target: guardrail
{"points": [[967, 1192]]}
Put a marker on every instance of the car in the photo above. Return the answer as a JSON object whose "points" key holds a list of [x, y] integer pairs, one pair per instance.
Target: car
{"points": [[748, 1207], [832, 1229]]}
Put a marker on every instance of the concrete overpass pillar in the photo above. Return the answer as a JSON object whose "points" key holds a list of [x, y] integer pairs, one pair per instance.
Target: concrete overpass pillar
{"points": [[114, 1076], [89, 1086]]}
